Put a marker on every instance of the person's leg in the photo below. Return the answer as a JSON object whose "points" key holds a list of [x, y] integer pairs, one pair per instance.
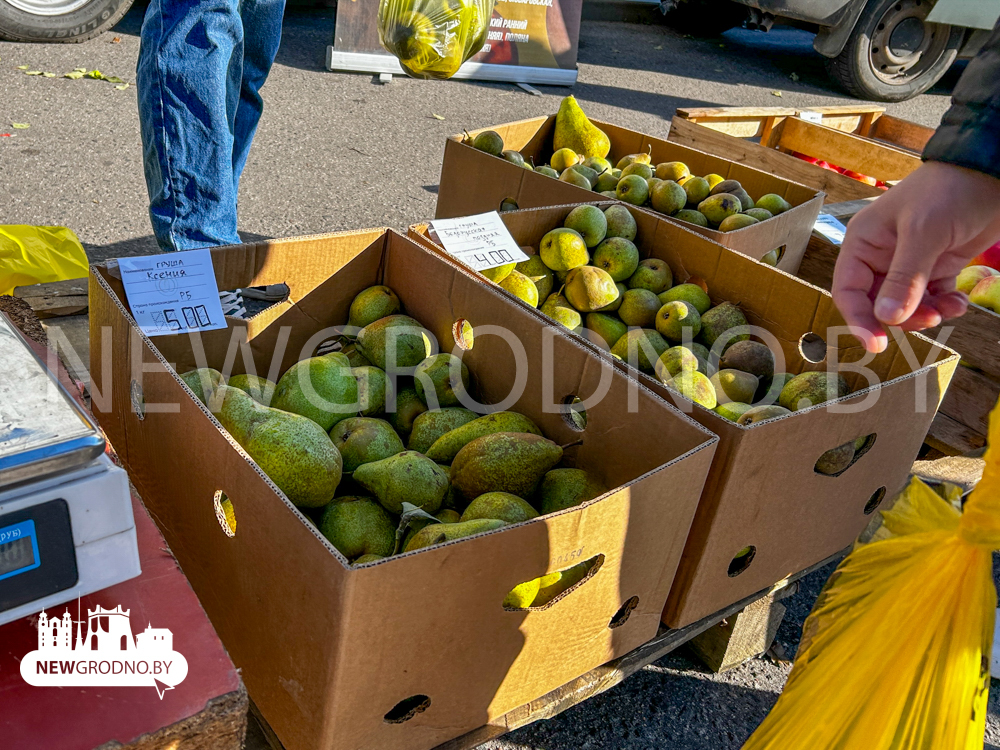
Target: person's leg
{"points": [[188, 80], [262, 24]]}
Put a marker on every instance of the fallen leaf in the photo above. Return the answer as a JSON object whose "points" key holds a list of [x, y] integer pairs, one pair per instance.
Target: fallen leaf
{"points": [[436, 117], [75, 75], [116, 40], [122, 87], [79, 70], [48, 75], [113, 79], [20, 125], [95, 74], [22, 67], [775, 93], [32, 72], [794, 76]]}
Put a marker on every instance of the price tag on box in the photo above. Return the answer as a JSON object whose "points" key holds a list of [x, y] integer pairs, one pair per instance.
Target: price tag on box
{"points": [[173, 292], [830, 228], [479, 242]]}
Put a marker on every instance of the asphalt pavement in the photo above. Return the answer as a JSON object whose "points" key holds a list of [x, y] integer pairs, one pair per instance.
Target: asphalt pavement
{"points": [[340, 151]]}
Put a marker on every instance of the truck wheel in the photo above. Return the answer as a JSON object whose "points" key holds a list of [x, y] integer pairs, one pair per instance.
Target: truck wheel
{"points": [[893, 53], [65, 21], [704, 17]]}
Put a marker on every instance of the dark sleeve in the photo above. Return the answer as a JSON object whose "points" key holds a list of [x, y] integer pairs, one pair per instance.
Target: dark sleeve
{"points": [[969, 134]]}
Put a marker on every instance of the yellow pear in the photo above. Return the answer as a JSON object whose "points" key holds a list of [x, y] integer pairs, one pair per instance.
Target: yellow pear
{"points": [[576, 132]]}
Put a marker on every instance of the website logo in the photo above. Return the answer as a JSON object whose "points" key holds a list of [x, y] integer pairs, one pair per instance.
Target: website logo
{"points": [[104, 653]]}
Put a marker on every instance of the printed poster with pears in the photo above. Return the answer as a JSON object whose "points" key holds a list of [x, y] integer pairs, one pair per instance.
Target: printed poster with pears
{"points": [[529, 41]]}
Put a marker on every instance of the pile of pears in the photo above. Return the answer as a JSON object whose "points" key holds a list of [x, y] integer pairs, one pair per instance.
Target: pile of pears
{"points": [[374, 444]]}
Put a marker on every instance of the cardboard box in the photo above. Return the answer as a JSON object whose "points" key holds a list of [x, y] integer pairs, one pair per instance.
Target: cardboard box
{"points": [[869, 143], [340, 657], [474, 182], [763, 490]]}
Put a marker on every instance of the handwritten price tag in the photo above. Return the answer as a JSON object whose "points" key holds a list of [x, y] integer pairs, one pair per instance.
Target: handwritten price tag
{"points": [[479, 242], [173, 292]]}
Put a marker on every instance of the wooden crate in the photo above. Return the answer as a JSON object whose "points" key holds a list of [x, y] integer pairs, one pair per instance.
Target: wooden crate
{"points": [[858, 137], [960, 426]]}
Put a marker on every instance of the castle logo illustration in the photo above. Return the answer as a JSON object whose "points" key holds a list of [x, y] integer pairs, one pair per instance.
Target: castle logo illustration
{"points": [[105, 653]]}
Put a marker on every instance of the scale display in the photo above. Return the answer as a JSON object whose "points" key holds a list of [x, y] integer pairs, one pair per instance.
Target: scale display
{"points": [[18, 549]]}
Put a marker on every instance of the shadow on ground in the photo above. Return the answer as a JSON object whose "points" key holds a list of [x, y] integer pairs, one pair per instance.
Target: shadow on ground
{"points": [[142, 246]]}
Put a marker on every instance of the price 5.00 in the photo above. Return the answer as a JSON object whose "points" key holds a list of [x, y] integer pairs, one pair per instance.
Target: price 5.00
{"points": [[194, 317]]}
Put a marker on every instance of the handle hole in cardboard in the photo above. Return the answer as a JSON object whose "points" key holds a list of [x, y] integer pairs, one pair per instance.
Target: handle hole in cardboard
{"points": [[225, 514], [508, 204], [407, 708], [624, 612], [812, 347], [874, 501], [574, 413], [742, 560], [463, 334], [541, 592], [836, 461]]}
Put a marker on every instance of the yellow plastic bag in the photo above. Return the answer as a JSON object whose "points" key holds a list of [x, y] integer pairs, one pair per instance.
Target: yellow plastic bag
{"points": [[432, 38], [36, 255], [896, 652]]}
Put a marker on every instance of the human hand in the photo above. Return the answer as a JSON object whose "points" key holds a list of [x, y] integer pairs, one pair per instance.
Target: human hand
{"points": [[900, 256]]}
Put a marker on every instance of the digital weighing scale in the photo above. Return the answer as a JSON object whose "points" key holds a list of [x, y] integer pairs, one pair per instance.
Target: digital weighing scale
{"points": [[66, 524]]}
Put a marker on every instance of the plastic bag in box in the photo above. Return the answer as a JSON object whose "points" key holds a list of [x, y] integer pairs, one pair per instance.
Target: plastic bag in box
{"points": [[896, 652], [432, 38]]}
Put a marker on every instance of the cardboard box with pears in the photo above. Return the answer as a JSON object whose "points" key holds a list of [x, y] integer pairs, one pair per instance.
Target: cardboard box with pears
{"points": [[417, 648], [784, 493], [473, 182]]}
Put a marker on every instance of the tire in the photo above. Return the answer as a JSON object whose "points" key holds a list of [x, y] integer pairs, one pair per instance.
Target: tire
{"points": [[704, 17], [892, 54], [24, 21]]}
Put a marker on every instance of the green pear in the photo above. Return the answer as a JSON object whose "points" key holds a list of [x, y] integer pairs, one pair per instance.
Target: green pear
{"points": [[574, 131], [567, 488], [717, 207], [431, 425], [811, 388], [513, 462], [773, 203], [500, 505], [355, 357], [618, 256], [365, 559], [614, 305], [359, 528], [395, 344], [370, 305], [692, 217], [605, 330], [323, 389], [563, 249], [737, 221], [445, 448], [408, 477], [672, 170], [652, 274], [675, 360], [441, 380], [598, 164], [589, 289], [645, 171], [293, 451], [632, 189], [587, 172], [640, 347], [678, 321], [667, 197], [639, 308], [259, 389], [836, 459], [562, 312], [514, 157], [693, 385], [362, 440], [521, 287], [606, 183], [589, 222], [498, 273], [203, 382], [489, 141], [696, 189], [760, 214], [573, 177], [407, 408], [547, 171], [725, 321], [374, 390], [761, 413], [621, 223], [732, 410], [539, 273], [439, 533], [690, 294], [734, 385]]}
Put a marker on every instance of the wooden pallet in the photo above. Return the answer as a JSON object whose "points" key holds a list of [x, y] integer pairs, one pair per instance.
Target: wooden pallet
{"points": [[724, 650], [857, 137]]}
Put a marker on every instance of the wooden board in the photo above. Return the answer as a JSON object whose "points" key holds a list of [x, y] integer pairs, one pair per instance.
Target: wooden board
{"points": [[744, 636], [902, 133], [55, 298]]}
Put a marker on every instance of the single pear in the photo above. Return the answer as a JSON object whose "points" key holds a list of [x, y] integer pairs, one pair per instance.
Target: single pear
{"points": [[621, 223], [598, 164], [690, 294], [407, 408], [672, 170], [547, 171], [441, 380], [359, 528], [448, 516], [373, 303], [587, 172], [678, 321], [293, 451], [640, 347], [668, 197], [604, 330], [618, 256], [539, 273], [732, 410], [589, 289], [260, 389], [811, 388], [431, 425], [574, 131], [374, 390], [696, 189], [322, 388], [365, 559], [589, 222], [204, 382], [639, 308], [760, 214], [563, 159], [445, 448], [556, 584], [770, 258], [362, 440], [643, 158], [617, 302], [737, 221], [606, 183], [488, 141], [395, 344], [567, 488], [836, 459], [761, 413], [675, 360], [514, 157], [521, 287], [643, 170], [693, 385], [513, 462], [734, 385], [563, 249], [714, 179], [439, 533], [726, 186], [773, 203], [749, 356], [718, 207], [405, 477], [575, 178], [632, 189], [498, 273], [692, 217], [724, 321], [562, 312], [501, 505]]}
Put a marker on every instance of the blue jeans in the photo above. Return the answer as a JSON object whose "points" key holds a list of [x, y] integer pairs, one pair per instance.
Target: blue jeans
{"points": [[201, 66]]}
